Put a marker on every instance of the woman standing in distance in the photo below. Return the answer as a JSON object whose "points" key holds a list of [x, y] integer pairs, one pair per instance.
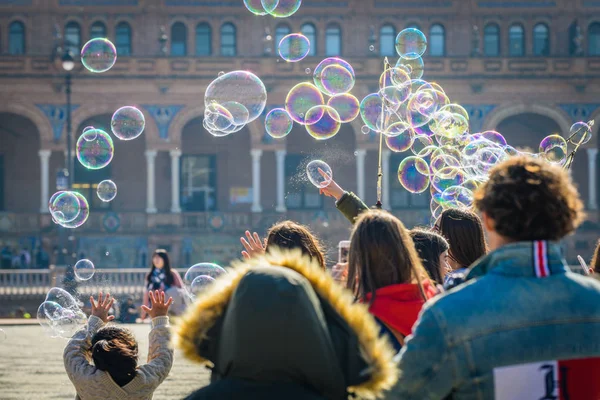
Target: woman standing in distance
{"points": [[160, 277]]}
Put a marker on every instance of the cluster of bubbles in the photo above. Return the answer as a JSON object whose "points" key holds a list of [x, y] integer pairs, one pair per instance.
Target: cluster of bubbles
{"points": [[84, 270], [233, 100], [60, 314], [276, 8], [95, 148], [199, 276]]}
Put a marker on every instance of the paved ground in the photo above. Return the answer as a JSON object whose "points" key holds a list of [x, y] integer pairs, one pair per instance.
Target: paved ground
{"points": [[31, 367]]}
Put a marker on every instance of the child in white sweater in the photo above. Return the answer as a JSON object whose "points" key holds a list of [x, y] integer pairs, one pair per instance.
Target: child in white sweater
{"points": [[114, 373]]}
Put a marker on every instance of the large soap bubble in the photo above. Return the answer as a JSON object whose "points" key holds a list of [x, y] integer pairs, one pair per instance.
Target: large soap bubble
{"points": [[319, 173], [59, 314], [98, 55], [334, 76], [201, 269], [95, 149], [411, 43], [127, 123]]}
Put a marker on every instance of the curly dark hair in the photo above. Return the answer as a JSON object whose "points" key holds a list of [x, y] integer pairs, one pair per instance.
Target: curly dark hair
{"points": [[530, 199], [115, 350]]}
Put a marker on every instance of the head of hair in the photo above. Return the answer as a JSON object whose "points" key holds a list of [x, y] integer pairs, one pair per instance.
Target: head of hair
{"points": [[115, 350], [381, 254], [162, 253], [595, 264], [290, 235], [464, 232], [430, 246], [529, 199]]}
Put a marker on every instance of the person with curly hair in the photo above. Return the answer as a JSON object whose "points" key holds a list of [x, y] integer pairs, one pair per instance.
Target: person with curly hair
{"points": [[521, 307]]}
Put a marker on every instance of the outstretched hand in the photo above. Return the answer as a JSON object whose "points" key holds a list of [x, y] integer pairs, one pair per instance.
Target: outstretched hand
{"points": [[254, 246], [102, 307], [332, 189], [160, 307]]}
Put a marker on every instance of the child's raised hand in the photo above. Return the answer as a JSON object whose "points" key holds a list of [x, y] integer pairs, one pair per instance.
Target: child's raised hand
{"points": [[101, 308], [333, 189], [160, 308], [254, 246]]}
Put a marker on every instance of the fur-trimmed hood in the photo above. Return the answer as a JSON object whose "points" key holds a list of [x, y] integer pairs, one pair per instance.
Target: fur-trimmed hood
{"points": [[261, 322]]}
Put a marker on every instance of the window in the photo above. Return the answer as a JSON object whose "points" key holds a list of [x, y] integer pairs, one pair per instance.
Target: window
{"points": [[400, 197], [299, 194], [123, 39], [310, 32], [387, 40], [516, 41], [98, 30], [333, 40], [437, 41], [491, 40], [228, 40], [203, 39], [541, 40], [594, 39], [85, 181], [280, 32], [198, 182], [178, 39], [73, 37], [16, 38]]}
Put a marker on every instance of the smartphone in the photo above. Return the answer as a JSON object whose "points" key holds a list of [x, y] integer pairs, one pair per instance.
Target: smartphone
{"points": [[343, 248]]}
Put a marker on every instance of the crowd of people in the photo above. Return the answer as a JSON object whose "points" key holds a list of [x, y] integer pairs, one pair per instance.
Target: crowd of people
{"points": [[481, 306]]}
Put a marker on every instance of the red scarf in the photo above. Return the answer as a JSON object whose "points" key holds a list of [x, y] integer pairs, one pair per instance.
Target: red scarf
{"points": [[398, 306]]}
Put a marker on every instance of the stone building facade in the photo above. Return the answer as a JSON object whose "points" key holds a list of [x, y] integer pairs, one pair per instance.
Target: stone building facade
{"points": [[525, 68]]}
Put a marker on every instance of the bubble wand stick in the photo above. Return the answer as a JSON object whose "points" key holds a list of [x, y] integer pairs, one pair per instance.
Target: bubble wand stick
{"points": [[384, 122], [571, 156]]}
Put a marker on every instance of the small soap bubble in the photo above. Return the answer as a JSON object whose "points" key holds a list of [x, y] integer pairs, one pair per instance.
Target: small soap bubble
{"points": [[106, 190], [84, 269], [319, 173], [221, 73], [307, 71], [200, 283], [371, 48], [95, 149], [278, 123], [210, 270], [127, 123], [98, 55], [411, 43], [294, 47], [413, 174]]}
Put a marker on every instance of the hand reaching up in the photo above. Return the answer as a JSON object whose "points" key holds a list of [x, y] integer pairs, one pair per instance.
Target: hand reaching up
{"points": [[159, 308], [101, 308], [332, 189], [254, 246]]}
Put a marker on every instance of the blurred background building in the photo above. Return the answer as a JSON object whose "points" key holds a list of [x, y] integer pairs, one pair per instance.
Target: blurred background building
{"points": [[527, 68]]}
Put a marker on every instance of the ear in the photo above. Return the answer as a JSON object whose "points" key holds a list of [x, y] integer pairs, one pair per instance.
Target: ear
{"points": [[488, 223]]}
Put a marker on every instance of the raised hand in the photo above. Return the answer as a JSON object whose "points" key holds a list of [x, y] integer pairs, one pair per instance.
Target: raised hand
{"points": [[333, 189], [101, 308], [254, 246], [160, 307]]}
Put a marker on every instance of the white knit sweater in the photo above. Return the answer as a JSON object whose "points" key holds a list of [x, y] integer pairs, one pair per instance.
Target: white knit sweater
{"points": [[93, 384]]}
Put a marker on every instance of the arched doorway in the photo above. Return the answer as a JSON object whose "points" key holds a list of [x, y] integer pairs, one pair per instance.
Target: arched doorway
{"points": [[19, 164]]}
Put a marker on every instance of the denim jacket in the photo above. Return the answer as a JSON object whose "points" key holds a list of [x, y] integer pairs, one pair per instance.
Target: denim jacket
{"points": [[520, 305]]}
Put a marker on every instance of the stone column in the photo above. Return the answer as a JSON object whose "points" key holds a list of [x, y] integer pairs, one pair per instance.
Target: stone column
{"points": [[150, 161], [175, 179], [280, 158], [592, 200], [387, 175], [360, 172], [44, 179], [256, 155]]}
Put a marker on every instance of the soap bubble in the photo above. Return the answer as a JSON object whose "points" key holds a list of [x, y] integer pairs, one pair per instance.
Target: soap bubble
{"points": [[414, 67], [420, 143], [95, 149], [322, 122], [64, 206], [456, 197], [82, 216], [281, 8], [447, 177], [127, 123], [278, 123], [371, 48], [106, 190], [84, 269], [580, 133], [302, 98], [98, 55], [200, 283], [371, 108], [401, 142], [87, 128], [307, 71], [59, 314], [413, 174], [334, 76], [553, 148], [294, 47], [494, 137], [319, 173], [365, 130], [201, 269], [346, 106], [411, 43], [255, 7]]}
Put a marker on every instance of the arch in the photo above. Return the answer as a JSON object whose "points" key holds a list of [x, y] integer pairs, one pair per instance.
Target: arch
{"points": [[228, 39], [123, 38], [16, 38], [387, 40], [333, 40], [594, 39], [98, 30], [73, 36], [87, 111], [510, 109], [541, 39], [203, 39], [491, 40], [437, 40], [516, 40], [32, 113], [178, 39], [309, 30]]}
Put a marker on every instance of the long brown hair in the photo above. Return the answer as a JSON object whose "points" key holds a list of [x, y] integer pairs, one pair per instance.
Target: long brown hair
{"points": [[430, 246], [464, 232], [381, 254], [115, 350], [290, 235], [595, 266]]}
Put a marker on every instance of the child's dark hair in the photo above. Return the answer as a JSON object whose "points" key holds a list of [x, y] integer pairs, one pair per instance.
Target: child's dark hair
{"points": [[115, 350], [464, 232], [430, 246], [290, 235]]}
